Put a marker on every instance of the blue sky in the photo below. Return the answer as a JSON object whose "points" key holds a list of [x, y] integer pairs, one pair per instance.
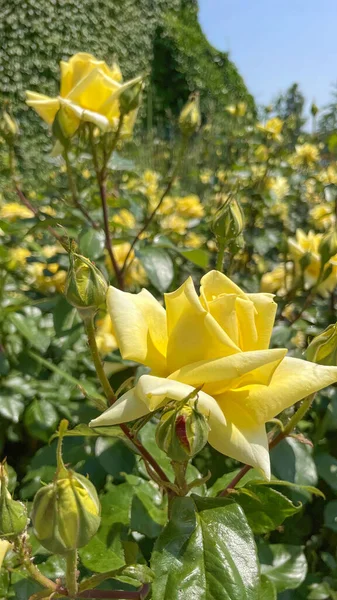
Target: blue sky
{"points": [[277, 42]]}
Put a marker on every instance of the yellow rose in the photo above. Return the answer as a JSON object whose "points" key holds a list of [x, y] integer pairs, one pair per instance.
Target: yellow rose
{"points": [[308, 244], [89, 91], [190, 207], [306, 155], [273, 128], [278, 280], [218, 340], [135, 273], [13, 211]]}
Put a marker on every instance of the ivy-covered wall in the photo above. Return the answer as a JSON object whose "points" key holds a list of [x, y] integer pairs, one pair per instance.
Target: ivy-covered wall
{"points": [[160, 36]]}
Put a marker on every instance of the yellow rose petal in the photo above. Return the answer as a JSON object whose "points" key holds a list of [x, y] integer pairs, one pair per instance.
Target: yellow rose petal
{"points": [[140, 325]]}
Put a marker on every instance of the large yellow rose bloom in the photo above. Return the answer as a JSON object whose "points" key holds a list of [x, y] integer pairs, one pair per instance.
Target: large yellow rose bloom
{"points": [[89, 91], [218, 340]]}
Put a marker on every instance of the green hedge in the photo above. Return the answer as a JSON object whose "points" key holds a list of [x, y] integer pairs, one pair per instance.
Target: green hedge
{"points": [[161, 36]]}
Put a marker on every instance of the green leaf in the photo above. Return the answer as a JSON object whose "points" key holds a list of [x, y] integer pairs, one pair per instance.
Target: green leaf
{"points": [[148, 509], [197, 256], [158, 266], [83, 430], [265, 508], [114, 456], [330, 515], [206, 551], [11, 406], [268, 590], [284, 565], [116, 505], [327, 469], [293, 461], [91, 243], [104, 551], [29, 328], [226, 479], [40, 419]]}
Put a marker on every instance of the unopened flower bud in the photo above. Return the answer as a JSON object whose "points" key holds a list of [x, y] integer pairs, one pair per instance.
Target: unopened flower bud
{"points": [[130, 98], [323, 348], [85, 286], [8, 127], [228, 222], [314, 109], [190, 118], [66, 513], [328, 246], [13, 514], [182, 432]]}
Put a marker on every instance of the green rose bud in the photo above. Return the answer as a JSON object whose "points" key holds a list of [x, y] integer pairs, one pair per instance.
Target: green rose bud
{"points": [[323, 348], [85, 287], [130, 98], [13, 514], [314, 109], [328, 246], [228, 222], [66, 513], [182, 432], [190, 118]]}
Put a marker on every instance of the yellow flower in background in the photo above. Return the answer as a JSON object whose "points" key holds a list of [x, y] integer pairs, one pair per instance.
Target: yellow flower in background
{"points": [[306, 155], [323, 216], [46, 278], [261, 153], [13, 211], [174, 223], [193, 240], [17, 258], [48, 210], [273, 128], [278, 280], [329, 175], [231, 109], [190, 207], [206, 176], [279, 186], [89, 91], [105, 336], [307, 245], [218, 340], [125, 218], [135, 273]]}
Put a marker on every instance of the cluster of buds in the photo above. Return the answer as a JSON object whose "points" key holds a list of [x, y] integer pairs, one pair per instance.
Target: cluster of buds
{"points": [[13, 514], [86, 286], [66, 513], [182, 431], [323, 348]]}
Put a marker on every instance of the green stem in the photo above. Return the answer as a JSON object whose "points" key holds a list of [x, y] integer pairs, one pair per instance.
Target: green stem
{"points": [[71, 573], [166, 191], [220, 257], [101, 175], [295, 419], [90, 330], [73, 190]]}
